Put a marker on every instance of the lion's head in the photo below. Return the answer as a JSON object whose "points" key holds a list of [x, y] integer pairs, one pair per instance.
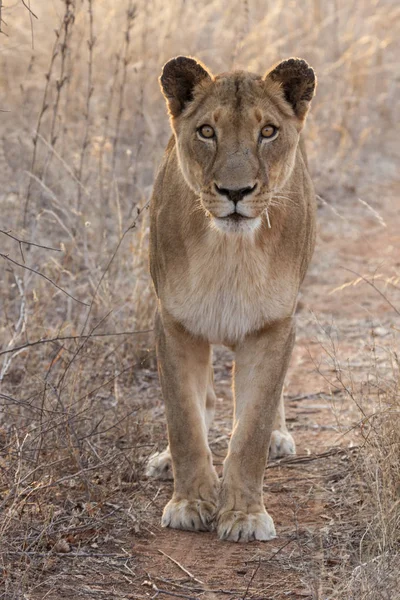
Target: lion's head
{"points": [[237, 134]]}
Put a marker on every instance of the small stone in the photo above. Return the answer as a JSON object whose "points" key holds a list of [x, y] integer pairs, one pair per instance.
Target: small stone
{"points": [[62, 546], [380, 332]]}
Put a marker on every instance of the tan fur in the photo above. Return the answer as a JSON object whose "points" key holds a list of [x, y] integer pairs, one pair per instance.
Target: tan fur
{"points": [[229, 280]]}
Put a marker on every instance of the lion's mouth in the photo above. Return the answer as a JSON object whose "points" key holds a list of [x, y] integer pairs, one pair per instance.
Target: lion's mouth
{"points": [[236, 217], [236, 222]]}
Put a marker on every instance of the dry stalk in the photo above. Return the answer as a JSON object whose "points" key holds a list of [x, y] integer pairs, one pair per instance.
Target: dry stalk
{"points": [[64, 338], [60, 48], [14, 262], [106, 127], [108, 265], [369, 491], [124, 60], [18, 330], [90, 44]]}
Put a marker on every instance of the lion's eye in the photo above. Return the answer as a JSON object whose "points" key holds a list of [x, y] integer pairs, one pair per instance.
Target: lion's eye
{"points": [[206, 131], [269, 131]]}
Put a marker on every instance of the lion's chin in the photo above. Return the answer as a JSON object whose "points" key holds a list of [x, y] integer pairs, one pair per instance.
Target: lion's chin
{"points": [[236, 224]]}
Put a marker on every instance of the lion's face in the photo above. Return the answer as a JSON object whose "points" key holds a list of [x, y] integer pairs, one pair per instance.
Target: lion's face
{"points": [[237, 135], [235, 147]]}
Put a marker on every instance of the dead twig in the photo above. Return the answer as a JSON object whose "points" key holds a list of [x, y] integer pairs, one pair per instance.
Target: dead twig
{"points": [[274, 554], [296, 460], [19, 328], [41, 488], [73, 337], [194, 589], [31, 14], [76, 353], [312, 396], [6, 257], [20, 242], [73, 555], [174, 594], [252, 579], [374, 287], [124, 59], [85, 142], [29, 9], [131, 226], [181, 567]]}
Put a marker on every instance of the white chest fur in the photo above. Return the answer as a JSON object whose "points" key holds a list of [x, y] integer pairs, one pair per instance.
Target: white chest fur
{"points": [[229, 289]]}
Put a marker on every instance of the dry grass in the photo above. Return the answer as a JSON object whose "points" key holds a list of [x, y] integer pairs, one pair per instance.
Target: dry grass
{"points": [[365, 496], [84, 130]]}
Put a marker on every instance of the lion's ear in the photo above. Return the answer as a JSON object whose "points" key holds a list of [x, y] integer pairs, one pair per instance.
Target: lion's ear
{"points": [[298, 83], [178, 79]]}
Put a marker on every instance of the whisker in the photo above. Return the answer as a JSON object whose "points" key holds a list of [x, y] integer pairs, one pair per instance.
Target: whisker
{"points": [[268, 221], [281, 197], [276, 191], [282, 201], [197, 207]]}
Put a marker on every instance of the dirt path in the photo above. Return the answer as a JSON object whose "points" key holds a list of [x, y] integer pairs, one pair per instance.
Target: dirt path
{"points": [[135, 558]]}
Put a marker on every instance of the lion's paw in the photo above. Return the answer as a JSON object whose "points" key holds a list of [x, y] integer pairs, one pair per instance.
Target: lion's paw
{"points": [[282, 444], [159, 466], [191, 515], [238, 526]]}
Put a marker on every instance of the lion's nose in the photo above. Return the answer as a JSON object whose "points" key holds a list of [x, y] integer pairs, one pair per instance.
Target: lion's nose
{"points": [[235, 195]]}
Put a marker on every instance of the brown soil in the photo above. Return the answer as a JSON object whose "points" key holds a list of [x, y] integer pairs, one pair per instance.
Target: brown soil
{"points": [[131, 556]]}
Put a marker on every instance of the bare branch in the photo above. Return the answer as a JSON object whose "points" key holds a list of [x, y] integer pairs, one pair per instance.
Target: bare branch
{"points": [[31, 14], [85, 142], [72, 337], [182, 568], [29, 9], [373, 287], [29, 243], [19, 328], [131, 226], [6, 257]]}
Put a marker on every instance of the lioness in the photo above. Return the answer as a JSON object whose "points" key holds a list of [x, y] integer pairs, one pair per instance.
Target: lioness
{"points": [[232, 233]]}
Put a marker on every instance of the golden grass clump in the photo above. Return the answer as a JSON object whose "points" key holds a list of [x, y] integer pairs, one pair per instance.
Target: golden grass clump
{"points": [[365, 496]]}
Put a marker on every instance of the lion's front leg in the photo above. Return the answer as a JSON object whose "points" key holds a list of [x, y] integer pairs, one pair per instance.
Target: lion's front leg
{"points": [[159, 465], [184, 365], [260, 367]]}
